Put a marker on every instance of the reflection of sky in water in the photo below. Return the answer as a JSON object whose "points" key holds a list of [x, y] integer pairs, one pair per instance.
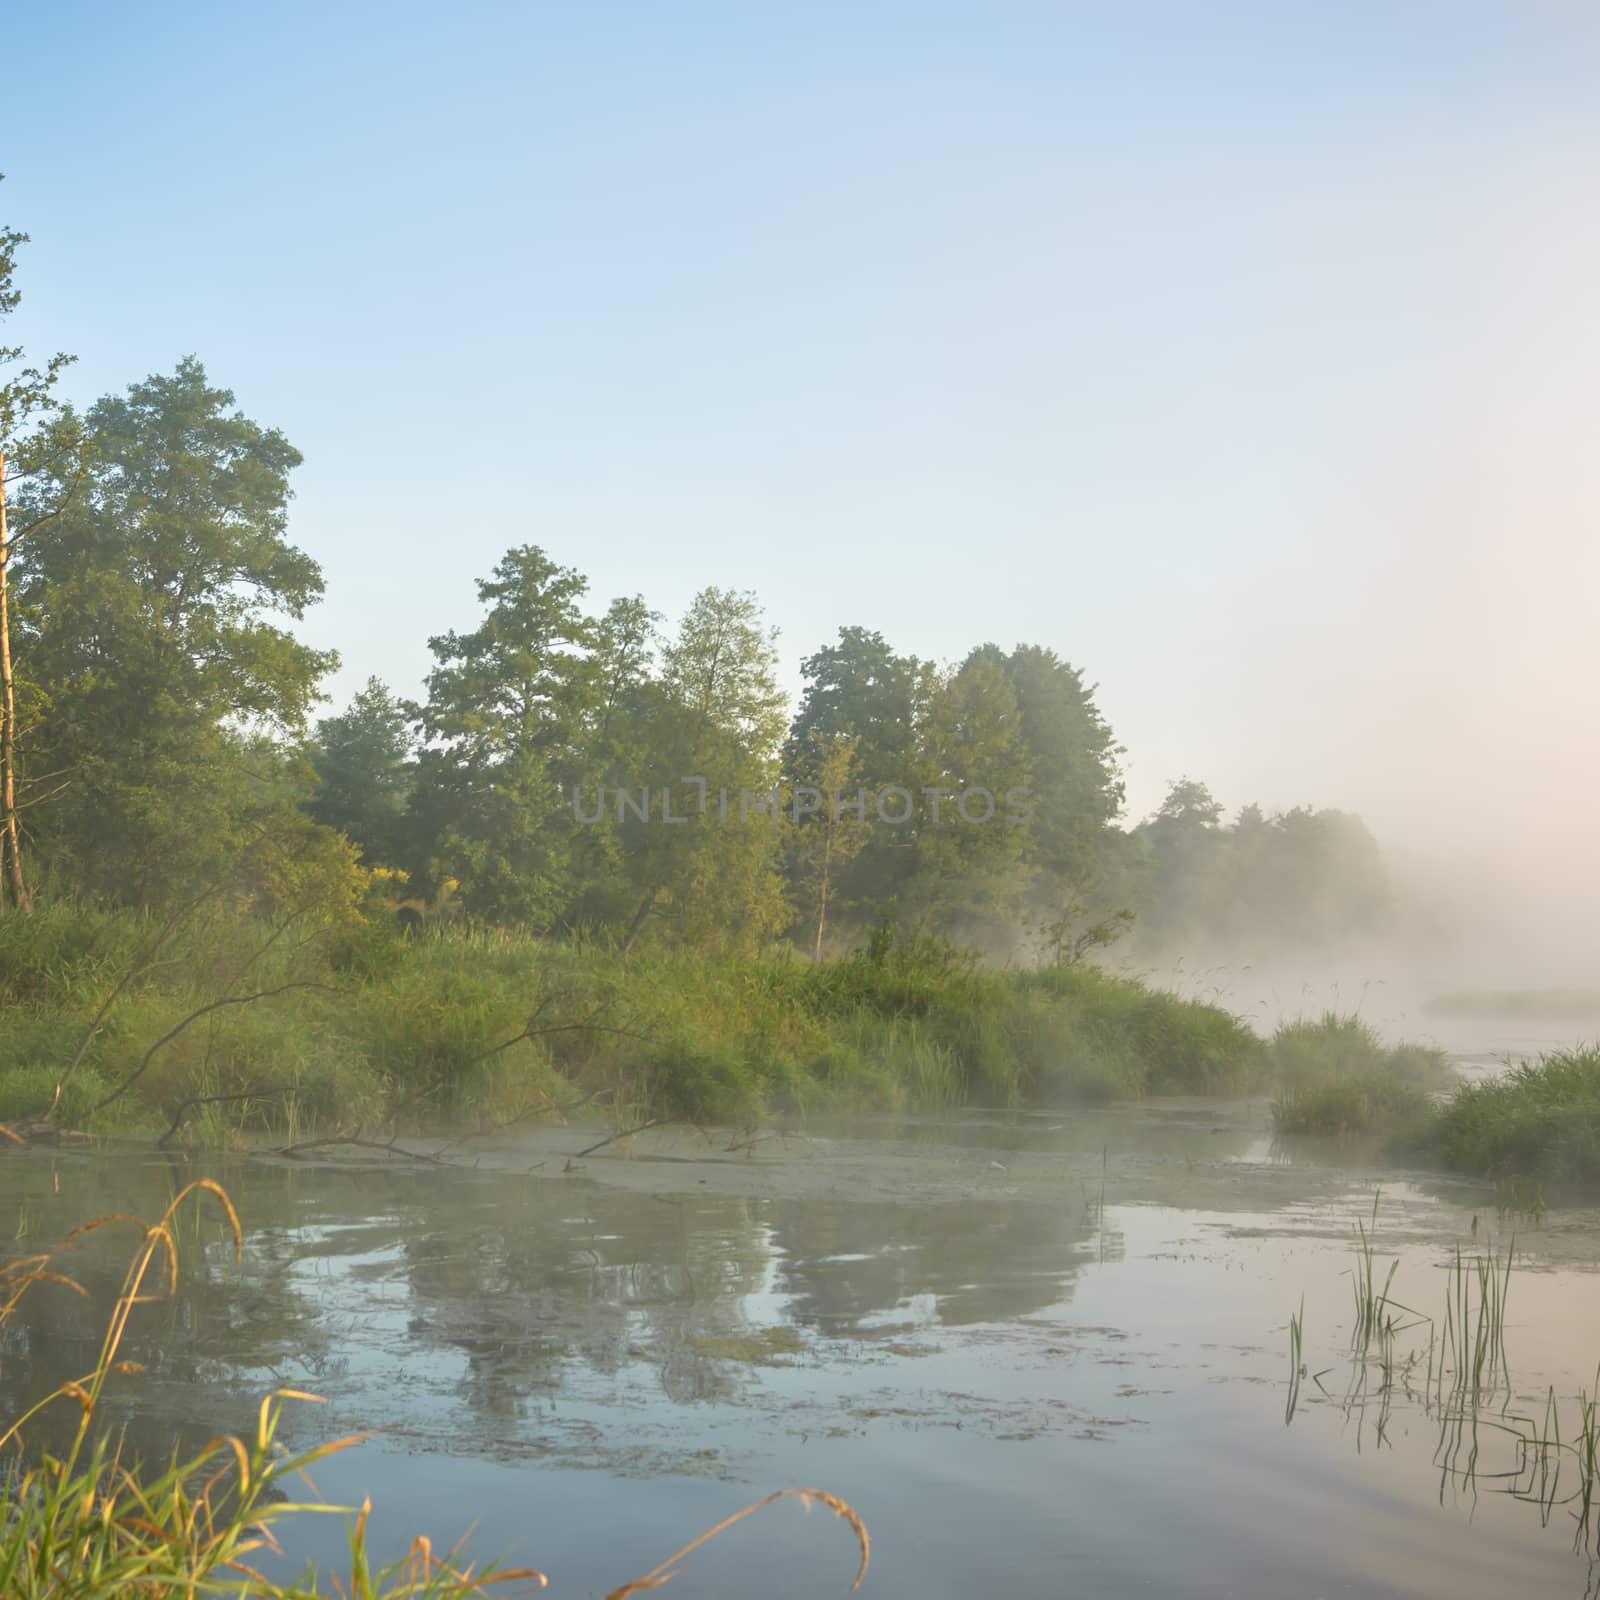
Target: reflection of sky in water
{"points": [[1024, 1392]]}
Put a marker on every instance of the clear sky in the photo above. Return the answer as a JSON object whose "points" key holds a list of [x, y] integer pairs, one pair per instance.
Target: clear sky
{"points": [[1245, 354]]}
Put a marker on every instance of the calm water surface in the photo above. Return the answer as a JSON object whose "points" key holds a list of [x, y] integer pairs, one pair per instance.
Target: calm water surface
{"points": [[1042, 1356]]}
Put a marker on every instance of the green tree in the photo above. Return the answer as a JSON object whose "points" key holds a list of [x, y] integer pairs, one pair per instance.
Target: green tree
{"points": [[620, 727], [969, 867], [364, 760], [171, 701], [860, 688], [720, 721], [1073, 763], [829, 833], [503, 730]]}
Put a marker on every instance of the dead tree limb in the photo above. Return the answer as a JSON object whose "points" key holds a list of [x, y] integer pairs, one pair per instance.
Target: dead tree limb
{"points": [[142, 963], [214, 1100], [351, 1141], [529, 1031], [194, 1016], [627, 1133]]}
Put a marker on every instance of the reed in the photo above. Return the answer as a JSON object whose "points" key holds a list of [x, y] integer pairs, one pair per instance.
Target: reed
{"points": [[1297, 1368], [1477, 1290]]}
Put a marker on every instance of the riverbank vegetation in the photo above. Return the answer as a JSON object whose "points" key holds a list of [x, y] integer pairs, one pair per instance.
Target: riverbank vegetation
{"points": [[225, 1024], [1334, 1075], [1539, 1122]]}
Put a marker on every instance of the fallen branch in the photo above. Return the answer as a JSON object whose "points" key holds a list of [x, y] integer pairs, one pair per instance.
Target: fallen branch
{"points": [[141, 964], [627, 1133], [350, 1141], [214, 1100], [588, 1025], [194, 1016]]}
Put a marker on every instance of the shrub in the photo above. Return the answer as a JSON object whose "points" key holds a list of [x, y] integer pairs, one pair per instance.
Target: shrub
{"points": [[1541, 1120], [1335, 1076]]}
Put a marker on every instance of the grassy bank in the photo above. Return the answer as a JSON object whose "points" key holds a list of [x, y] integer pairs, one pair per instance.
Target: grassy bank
{"points": [[359, 1026], [1539, 1122], [1336, 1076]]}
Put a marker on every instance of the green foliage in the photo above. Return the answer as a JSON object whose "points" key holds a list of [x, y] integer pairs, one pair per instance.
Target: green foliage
{"points": [[160, 688], [363, 765], [1335, 1076], [357, 1027], [827, 838], [704, 883], [1540, 1121], [501, 724], [1362, 1104]]}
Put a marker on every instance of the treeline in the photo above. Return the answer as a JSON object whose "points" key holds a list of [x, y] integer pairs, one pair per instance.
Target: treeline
{"points": [[585, 770]]}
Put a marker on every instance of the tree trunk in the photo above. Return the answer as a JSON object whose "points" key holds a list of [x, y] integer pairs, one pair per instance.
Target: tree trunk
{"points": [[10, 834], [639, 917], [824, 895]]}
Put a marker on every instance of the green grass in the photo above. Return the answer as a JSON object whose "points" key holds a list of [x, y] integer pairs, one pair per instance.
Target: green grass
{"points": [[359, 1028], [1538, 1123], [1335, 1076]]}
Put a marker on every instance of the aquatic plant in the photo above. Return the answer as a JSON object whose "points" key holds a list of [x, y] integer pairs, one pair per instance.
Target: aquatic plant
{"points": [[88, 1524], [1297, 1368], [1335, 1076], [1537, 1124]]}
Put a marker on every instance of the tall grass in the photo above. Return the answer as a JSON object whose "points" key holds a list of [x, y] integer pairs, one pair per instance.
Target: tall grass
{"points": [[88, 1524], [1335, 1076], [1539, 1123], [460, 1026]]}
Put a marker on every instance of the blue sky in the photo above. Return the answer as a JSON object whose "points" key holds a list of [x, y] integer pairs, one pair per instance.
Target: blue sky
{"points": [[1243, 354]]}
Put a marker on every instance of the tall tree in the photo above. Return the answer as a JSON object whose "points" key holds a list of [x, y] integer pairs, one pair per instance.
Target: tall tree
{"points": [[1073, 761], [861, 688], [502, 730], [970, 861], [830, 830], [716, 881], [171, 695], [623, 723]]}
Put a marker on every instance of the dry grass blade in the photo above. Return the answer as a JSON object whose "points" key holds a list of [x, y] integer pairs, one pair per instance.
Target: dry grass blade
{"points": [[667, 1570]]}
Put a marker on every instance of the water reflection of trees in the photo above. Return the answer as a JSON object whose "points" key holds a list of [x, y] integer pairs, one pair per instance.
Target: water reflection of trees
{"points": [[872, 1270], [476, 1296]]}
